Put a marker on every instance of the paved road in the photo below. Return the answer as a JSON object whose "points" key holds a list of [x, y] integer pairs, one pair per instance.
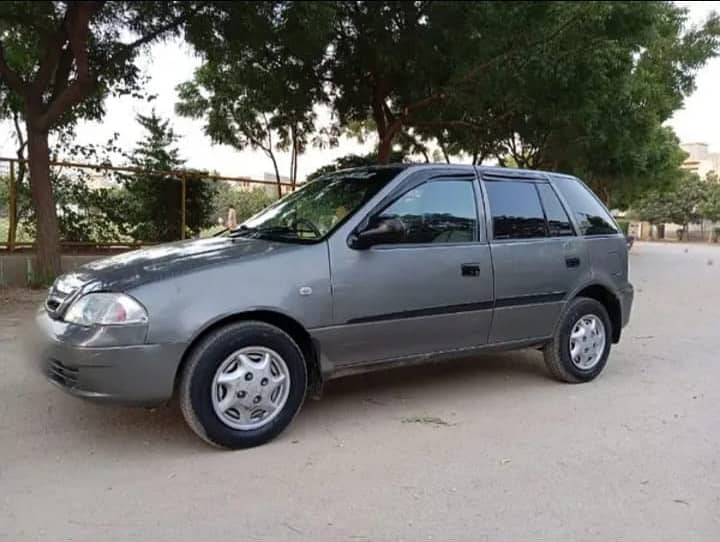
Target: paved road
{"points": [[484, 449]]}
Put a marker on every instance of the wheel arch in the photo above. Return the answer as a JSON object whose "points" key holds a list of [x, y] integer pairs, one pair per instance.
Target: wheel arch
{"points": [[275, 318], [609, 300]]}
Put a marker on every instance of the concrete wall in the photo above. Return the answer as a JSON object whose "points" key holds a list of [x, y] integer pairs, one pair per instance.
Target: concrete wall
{"points": [[16, 268]]}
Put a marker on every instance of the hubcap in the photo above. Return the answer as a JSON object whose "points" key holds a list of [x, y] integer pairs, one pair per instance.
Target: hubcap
{"points": [[587, 342], [250, 387]]}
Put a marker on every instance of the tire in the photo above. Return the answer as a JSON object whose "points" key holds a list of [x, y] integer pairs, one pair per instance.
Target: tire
{"points": [[557, 352], [200, 392]]}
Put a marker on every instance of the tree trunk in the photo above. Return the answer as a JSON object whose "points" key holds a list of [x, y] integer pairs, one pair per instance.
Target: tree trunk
{"points": [[385, 148], [47, 237], [271, 154], [443, 149]]}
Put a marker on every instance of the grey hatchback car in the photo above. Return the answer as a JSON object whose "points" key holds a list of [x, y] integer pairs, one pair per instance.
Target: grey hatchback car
{"points": [[358, 270]]}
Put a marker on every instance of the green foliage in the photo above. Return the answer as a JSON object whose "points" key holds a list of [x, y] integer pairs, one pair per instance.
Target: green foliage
{"points": [[84, 214], [710, 207], [593, 102], [246, 202], [354, 160], [624, 225], [150, 209], [687, 200], [72, 82], [58, 62], [684, 204], [260, 77], [4, 195], [654, 207]]}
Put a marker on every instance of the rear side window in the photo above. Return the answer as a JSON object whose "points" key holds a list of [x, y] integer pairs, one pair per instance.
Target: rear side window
{"points": [[592, 217], [557, 219], [439, 211], [515, 210]]}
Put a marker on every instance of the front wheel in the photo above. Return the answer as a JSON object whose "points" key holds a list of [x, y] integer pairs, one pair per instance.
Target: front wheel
{"points": [[580, 348], [243, 384]]}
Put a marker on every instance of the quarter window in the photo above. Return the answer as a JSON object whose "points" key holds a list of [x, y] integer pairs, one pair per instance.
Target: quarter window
{"points": [[592, 217], [515, 209], [557, 219], [439, 211]]}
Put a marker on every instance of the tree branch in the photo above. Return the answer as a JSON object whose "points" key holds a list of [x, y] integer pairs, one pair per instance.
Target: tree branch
{"points": [[13, 80], [62, 73], [18, 132], [154, 34], [444, 92], [77, 27], [53, 46]]}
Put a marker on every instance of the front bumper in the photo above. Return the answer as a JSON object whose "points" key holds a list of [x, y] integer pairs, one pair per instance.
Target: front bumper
{"points": [[79, 361]]}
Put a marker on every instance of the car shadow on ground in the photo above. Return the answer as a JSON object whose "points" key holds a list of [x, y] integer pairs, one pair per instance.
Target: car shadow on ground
{"points": [[163, 428]]}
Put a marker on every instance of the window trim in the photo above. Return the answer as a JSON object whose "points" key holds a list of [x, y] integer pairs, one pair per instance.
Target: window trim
{"points": [[413, 182]]}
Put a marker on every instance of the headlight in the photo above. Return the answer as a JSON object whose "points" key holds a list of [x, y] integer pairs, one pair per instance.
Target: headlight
{"points": [[106, 309]]}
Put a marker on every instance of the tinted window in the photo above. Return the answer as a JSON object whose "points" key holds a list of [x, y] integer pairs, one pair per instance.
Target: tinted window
{"points": [[592, 217], [515, 209], [558, 220], [436, 212]]}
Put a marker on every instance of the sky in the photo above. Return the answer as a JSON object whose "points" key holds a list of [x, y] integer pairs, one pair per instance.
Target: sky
{"points": [[173, 62]]}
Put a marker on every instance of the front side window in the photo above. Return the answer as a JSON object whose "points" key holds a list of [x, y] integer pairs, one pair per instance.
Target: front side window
{"points": [[592, 217], [515, 210], [439, 211], [313, 211]]}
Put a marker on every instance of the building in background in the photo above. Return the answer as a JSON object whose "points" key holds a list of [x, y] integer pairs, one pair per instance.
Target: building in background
{"points": [[700, 160]]}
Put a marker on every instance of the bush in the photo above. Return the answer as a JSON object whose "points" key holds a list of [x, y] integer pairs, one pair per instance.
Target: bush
{"points": [[246, 202], [624, 225]]}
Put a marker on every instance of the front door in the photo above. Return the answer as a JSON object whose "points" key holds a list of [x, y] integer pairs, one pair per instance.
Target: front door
{"points": [[537, 258], [430, 292]]}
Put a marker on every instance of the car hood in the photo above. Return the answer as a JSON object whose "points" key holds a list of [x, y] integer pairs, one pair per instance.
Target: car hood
{"points": [[133, 269]]}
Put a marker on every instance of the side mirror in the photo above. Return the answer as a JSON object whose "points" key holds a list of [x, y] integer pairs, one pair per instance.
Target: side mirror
{"points": [[387, 230]]}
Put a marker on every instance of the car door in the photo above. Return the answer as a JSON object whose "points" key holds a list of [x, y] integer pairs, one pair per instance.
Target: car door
{"points": [[537, 256], [430, 291]]}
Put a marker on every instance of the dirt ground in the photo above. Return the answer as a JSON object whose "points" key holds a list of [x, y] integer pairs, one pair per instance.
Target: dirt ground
{"points": [[484, 449]]}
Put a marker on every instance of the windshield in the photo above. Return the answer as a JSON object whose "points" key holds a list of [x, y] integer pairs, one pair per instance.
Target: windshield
{"points": [[313, 211]]}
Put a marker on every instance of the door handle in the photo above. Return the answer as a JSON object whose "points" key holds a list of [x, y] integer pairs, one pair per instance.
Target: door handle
{"points": [[572, 261], [470, 270]]}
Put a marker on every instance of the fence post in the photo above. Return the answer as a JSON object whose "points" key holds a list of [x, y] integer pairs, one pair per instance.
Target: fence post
{"points": [[12, 200], [183, 209]]}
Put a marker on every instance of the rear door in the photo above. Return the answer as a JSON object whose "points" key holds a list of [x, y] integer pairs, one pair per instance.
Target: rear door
{"points": [[537, 257]]}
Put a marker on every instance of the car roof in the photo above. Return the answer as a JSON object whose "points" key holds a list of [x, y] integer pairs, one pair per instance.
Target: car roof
{"points": [[486, 171]]}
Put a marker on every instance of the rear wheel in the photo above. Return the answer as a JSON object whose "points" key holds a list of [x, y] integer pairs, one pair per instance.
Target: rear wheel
{"points": [[243, 384], [581, 345]]}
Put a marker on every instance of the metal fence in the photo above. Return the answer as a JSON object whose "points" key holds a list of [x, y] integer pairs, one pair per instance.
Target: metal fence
{"points": [[98, 181]]}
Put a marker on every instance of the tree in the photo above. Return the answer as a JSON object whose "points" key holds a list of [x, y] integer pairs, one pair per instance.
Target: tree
{"points": [[246, 202], [710, 207], [58, 61], [594, 102], [404, 65], [150, 208], [687, 200], [353, 160], [260, 78], [683, 204], [655, 207]]}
